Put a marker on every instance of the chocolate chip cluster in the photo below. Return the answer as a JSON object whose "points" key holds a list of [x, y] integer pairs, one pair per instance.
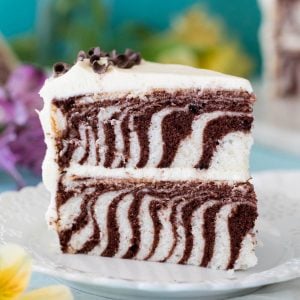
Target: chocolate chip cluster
{"points": [[121, 60]]}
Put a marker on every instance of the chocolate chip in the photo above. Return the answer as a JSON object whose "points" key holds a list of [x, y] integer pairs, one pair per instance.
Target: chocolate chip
{"points": [[98, 68], [129, 64], [126, 60], [133, 56], [94, 50], [128, 51], [90, 52], [97, 51], [81, 55], [121, 60], [94, 57], [60, 68], [113, 55], [194, 109], [136, 57]]}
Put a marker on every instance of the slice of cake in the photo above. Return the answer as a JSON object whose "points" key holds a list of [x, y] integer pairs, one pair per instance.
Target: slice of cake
{"points": [[149, 161]]}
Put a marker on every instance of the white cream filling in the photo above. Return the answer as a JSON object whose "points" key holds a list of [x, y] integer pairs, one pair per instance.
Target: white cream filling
{"points": [[146, 228], [171, 174], [119, 143], [221, 254], [124, 226], [104, 115], [69, 211], [92, 149], [166, 237], [80, 150], [197, 231], [134, 156]]}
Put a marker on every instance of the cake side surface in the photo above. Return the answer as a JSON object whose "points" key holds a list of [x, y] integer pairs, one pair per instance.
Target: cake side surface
{"points": [[189, 222]]}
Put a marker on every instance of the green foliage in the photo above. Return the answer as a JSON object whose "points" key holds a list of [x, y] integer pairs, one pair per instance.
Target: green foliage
{"points": [[64, 27], [25, 48], [197, 39]]}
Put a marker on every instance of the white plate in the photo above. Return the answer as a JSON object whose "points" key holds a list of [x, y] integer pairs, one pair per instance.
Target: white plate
{"points": [[22, 222]]}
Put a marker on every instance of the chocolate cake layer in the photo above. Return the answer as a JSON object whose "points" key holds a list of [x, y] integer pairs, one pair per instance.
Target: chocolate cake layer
{"points": [[156, 221], [147, 131]]}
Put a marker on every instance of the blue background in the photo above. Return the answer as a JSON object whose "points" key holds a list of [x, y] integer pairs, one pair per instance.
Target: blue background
{"points": [[242, 17]]}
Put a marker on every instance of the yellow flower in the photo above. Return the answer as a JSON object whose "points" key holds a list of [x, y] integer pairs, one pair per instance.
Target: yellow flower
{"points": [[179, 55], [15, 272], [197, 39], [224, 59], [196, 28]]}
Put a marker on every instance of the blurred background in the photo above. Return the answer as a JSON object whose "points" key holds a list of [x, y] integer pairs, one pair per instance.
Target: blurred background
{"points": [[213, 34]]}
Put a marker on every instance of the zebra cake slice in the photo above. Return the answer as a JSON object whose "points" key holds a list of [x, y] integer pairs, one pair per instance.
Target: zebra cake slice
{"points": [[149, 161]]}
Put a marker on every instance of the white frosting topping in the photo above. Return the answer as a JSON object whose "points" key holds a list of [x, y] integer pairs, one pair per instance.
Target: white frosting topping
{"points": [[138, 80]]}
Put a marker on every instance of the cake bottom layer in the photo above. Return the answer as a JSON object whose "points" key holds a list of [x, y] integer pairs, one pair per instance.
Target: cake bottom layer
{"points": [[210, 224]]}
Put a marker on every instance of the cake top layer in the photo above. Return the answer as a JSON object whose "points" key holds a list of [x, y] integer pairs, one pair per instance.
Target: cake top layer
{"points": [[136, 80]]}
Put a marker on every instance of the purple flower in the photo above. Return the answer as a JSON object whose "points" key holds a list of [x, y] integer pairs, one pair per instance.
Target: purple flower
{"points": [[8, 159], [29, 147], [6, 109], [25, 83], [21, 136], [11, 111]]}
